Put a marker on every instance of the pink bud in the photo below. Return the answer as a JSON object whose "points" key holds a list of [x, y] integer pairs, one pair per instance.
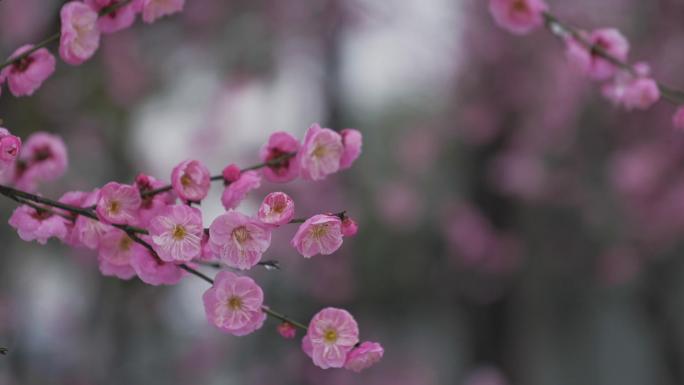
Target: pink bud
{"points": [[349, 227], [231, 173], [287, 330], [9, 148]]}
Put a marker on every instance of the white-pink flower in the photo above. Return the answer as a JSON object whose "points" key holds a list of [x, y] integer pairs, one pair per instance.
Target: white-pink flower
{"points": [[320, 234], [80, 35], [320, 154], [236, 191], [154, 9], [118, 203], [518, 16], [234, 304], [590, 62], [332, 334], [352, 140], [191, 180], [238, 240], [277, 209], [279, 145], [364, 356], [177, 233], [25, 76], [38, 225]]}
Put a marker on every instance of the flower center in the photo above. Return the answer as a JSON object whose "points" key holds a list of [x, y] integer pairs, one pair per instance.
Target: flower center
{"points": [[125, 243], [319, 231], [520, 6], [114, 207], [235, 303], [179, 232], [319, 151], [279, 207], [241, 234], [330, 336], [185, 180]]}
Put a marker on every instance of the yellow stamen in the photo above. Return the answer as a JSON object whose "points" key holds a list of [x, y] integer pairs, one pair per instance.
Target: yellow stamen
{"points": [[330, 336], [114, 207], [241, 234], [179, 233], [185, 181], [235, 303], [319, 231]]}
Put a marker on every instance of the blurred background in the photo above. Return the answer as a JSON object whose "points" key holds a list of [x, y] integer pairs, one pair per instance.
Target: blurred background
{"points": [[515, 228]]}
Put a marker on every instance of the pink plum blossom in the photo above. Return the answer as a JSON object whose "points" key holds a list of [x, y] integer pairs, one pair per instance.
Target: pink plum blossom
{"points": [[25, 76], [279, 144], [287, 330], [238, 240], [191, 180], [118, 203], [116, 248], [320, 153], [80, 35], [633, 90], [589, 62], [10, 147], [177, 233], [38, 225], [155, 9], [352, 140], [518, 16], [349, 227], [277, 209], [72, 198], [88, 231], [332, 333], [678, 119], [320, 234], [43, 158], [364, 356], [154, 271], [122, 18], [119, 271], [235, 192], [234, 304]]}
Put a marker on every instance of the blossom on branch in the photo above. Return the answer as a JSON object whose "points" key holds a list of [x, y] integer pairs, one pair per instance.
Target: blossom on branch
{"points": [[80, 34], [233, 304], [26, 75]]}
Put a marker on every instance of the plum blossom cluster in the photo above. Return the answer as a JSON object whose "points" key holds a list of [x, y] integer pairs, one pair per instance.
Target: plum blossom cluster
{"points": [[82, 24], [601, 54], [155, 231]]}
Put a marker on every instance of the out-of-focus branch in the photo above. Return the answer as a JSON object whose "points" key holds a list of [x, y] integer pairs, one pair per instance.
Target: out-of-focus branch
{"points": [[563, 30], [45, 42]]}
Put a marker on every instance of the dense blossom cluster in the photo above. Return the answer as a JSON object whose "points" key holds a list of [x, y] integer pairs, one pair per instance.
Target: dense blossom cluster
{"points": [[601, 54], [155, 231], [82, 24]]}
